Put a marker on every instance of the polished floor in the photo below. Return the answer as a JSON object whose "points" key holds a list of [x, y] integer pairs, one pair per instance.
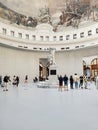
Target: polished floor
{"points": [[30, 108]]}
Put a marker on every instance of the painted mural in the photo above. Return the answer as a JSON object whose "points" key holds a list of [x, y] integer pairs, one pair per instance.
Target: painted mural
{"points": [[54, 12]]}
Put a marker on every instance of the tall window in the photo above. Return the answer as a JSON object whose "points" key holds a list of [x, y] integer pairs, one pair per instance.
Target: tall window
{"points": [[12, 33], [94, 67], [61, 38], [67, 37], [4, 31], [89, 32], [20, 35], [82, 34], [96, 30], [54, 38], [47, 38], [74, 36], [34, 37], [41, 38], [27, 36]]}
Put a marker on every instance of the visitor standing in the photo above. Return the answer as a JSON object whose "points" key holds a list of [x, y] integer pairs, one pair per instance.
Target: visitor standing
{"points": [[6, 79], [76, 78], [17, 81], [71, 81], [81, 82], [26, 79], [60, 78], [85, 81], [65, 78]]}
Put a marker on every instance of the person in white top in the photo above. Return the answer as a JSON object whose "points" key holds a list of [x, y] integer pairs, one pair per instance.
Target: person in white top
{"points": [[76, 79]]}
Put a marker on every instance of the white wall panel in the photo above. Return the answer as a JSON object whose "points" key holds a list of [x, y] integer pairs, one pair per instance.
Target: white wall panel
{"points": [[18, 62]]}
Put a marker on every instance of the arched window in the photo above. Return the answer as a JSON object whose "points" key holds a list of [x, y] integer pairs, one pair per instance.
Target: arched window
{"points": [[94, 67]]}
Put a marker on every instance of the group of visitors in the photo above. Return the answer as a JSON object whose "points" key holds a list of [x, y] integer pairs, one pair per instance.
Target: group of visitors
{"points": [[6, 79], [74, 82], [15, 80], [4, 82], [64, 82]]}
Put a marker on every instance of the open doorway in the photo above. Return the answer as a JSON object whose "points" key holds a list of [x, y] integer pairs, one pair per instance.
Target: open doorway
{"points": [[43, 69], [94, 67], [90, 66]]}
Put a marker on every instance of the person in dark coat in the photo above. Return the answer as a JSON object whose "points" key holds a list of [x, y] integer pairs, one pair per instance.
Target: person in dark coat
{"points": [[17, 81], [60, 78], [0, 80], [65, 78], [6, 79], [71, 82]]}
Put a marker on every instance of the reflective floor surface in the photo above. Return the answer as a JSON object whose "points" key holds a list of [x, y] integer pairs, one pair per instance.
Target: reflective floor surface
{"points": [[30, 108]]}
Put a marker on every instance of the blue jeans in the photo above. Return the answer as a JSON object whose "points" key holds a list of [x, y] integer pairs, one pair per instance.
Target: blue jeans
{"points": [[76, 84]]}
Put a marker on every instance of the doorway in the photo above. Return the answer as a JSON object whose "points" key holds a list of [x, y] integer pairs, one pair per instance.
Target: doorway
{"points": [[43, 69], [94, 67], [90, 66]]}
